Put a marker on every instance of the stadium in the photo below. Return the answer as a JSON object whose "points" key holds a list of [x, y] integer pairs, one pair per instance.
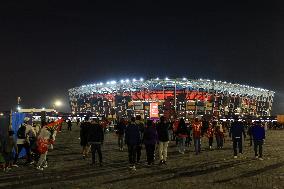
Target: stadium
{"points": [[172, 98]]}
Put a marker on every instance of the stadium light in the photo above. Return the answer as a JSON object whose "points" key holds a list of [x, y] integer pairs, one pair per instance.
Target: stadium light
{"points": [[184, 78], [43, 108], [167, 78], [157, 78], [57, 103], [134, 80], [108, 83], [141, 79], [113, 82], [127, 80], [122, 81]]}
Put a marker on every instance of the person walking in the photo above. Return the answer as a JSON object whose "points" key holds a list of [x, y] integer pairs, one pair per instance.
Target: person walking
{"points": [[150, 138], [84, 129], [237, 132], [95, 140], [141, 126], [182, 134], [132, 139], [196, 132], [69, 125], [120, 131], [163, 136], [45, 140], [210, 134], [258, 134]]}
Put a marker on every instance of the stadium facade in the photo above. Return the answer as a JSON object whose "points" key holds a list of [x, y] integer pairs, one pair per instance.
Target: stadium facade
{"points": [[179, 97]]}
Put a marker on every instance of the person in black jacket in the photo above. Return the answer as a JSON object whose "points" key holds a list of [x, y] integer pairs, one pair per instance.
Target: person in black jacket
{"points": [[236, 132], [95, 139], [132, 139], [84, 129], [120, 131], [163, 136]]}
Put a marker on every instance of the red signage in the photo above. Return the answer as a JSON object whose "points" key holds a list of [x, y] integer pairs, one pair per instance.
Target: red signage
{"points": [[154, 110]]}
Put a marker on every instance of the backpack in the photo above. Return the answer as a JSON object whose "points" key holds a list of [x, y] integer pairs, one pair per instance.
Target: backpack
{"points": [[21, 134]]}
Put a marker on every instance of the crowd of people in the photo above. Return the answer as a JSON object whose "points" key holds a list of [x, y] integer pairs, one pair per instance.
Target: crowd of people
{"points": [[35, 139], [156, 135], [133, 134]]}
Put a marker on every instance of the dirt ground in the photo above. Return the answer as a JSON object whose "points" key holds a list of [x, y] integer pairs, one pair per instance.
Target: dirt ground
{"points": [[211, 169]]}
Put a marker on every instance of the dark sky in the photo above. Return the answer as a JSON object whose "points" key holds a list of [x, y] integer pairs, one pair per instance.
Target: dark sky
{"points": [[47, 47]]}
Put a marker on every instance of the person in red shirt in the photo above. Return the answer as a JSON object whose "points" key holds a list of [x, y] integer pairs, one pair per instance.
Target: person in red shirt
{"points": [[196, 132], [210, 135]]}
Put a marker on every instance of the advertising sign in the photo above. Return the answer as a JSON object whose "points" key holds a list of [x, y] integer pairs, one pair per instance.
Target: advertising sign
{"points": [[154, 110]]}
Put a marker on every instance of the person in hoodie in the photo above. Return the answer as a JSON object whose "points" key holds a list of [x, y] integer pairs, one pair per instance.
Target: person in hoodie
{"points": [[258, 134], [139, 122], [95, 140], [163, 136], [132, 139], [150, 138], [237, 132], [120, 131], [182, 134]]}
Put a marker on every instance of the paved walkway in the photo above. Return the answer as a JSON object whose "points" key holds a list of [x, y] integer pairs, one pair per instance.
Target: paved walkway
{"points": [[212, 169]]}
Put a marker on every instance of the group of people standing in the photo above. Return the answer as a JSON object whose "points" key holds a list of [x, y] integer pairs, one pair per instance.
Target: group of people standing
{"points": [[34, 139]]}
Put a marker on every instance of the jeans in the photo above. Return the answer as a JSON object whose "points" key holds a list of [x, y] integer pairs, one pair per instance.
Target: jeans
{"points": [[258, 147], [181, 144], [132, 150], [197, 145], [150, 151], [120, 141], [219, 141], [28, 151], [210, 141], [42, 160], [237, 143], [163, 150], [138, 150], [96, 148]]}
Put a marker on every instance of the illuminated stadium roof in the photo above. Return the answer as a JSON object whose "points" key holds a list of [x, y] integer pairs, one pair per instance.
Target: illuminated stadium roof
{"points": [[179, 83]]}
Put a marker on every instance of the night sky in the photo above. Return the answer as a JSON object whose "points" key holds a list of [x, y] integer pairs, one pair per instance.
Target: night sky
{"points": [[47, 47]]}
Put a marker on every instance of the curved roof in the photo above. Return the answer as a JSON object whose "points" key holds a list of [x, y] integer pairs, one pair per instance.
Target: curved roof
{"points": [[180, 83]]}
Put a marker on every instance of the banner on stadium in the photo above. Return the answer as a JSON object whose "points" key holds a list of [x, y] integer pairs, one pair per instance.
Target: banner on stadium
{"points": [[154, 110]]}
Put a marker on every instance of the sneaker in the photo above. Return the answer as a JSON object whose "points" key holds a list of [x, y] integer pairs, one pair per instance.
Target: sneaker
{"points": [[15, 165], [39, 168], [235, 157], [32, 162], [134, 168], [256, 157], [161, 162], [261, 159], [45, 166]]}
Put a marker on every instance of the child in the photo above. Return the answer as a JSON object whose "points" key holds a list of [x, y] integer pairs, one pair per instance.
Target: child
{"points": [[11, 144], [2, 160]]}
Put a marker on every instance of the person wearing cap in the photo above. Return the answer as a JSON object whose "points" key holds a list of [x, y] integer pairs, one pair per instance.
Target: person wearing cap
{"points": [[24, 141], [258, 135], [237, 132]]}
